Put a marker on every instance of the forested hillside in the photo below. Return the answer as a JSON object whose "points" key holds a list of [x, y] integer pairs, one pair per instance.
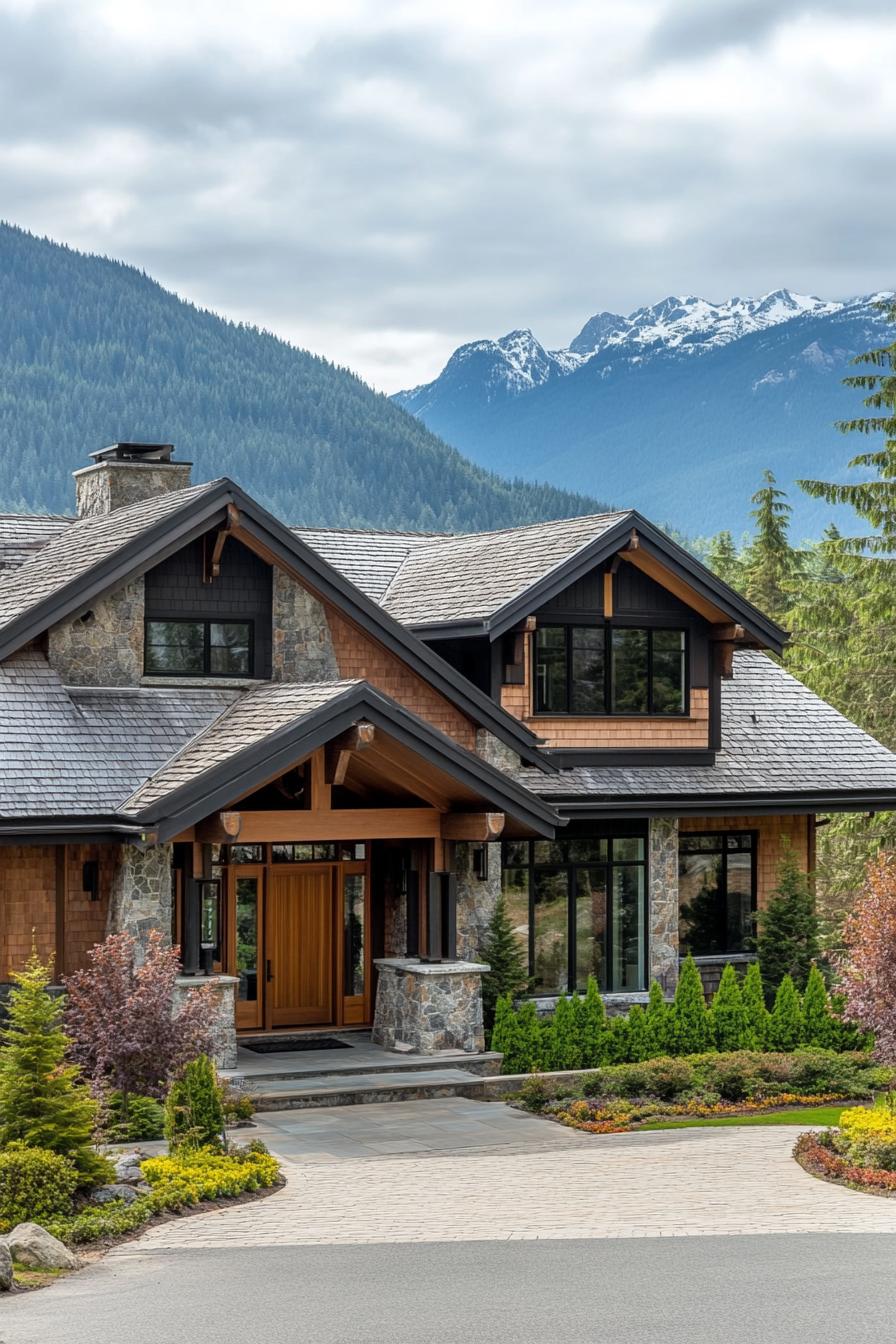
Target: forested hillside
{"points": [[93, 351]]}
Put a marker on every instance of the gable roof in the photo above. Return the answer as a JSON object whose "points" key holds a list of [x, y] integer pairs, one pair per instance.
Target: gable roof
{"points": [[485, 582], [23, 534], [783, 748], [96, 554], [267, 730]]}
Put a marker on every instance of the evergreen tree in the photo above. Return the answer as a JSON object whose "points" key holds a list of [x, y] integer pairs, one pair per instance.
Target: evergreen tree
{"points": [[723, 559], [529, 1039], [43, 1103], [788, 928], [785, 1030], [727, 1013], [691, 1030], [194, 1115], [659, 1021], [593, 1027], [502, 953], [506, 1036], [619, 1041], [562, 1049], [640, 1044], [756, 1016], [819, 1027], [769, 562]]}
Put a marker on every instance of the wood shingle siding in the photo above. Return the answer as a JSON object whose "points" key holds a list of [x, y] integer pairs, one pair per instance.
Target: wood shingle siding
{"points": [[27, 904]]}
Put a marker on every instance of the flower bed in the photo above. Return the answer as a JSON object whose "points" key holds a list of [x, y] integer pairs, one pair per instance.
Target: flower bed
{"points": [[861, 1153], [620, 1117], [819, 1158]]}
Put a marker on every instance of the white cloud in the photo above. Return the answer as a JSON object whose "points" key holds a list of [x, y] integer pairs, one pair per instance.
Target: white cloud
{"points": [[381, 180]]}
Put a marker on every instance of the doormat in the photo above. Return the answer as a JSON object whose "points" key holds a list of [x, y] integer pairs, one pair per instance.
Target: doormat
{"points": [[278, 1045]]}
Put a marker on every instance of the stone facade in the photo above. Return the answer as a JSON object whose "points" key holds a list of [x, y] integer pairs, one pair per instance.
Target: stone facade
{"points": [[429, 1007], [303, 644], [496, 752], [107, 486], [223, 990], [476, 899], [140, 899], [662, 868], [103, 647]]}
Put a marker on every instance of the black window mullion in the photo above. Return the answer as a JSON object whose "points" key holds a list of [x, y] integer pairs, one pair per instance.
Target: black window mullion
{"points": [[572, 888], [649, 671], [569, 647], [206, 647]]}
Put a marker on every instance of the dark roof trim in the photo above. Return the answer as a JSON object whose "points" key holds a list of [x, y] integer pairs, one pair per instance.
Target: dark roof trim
{"points": [[247, 769], [569, 757], [656, 543], [86, 830], [449, 629], [716, 805]]}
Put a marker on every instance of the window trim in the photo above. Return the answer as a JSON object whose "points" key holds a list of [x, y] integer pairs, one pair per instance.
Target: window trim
{"points": [[206, 622], [753, 851], [608, 628]]}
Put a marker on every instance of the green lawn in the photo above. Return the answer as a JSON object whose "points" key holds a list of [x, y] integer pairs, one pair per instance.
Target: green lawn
{"points": [[811, 1116]]}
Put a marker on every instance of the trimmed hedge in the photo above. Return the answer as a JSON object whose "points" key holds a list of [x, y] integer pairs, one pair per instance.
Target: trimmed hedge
{"points": [[34, 1184]]}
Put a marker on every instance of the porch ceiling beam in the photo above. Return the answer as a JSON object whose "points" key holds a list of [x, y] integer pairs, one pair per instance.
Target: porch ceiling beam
{"points": [[223, 828], [481, 826], [349, 823], [339, 751]]}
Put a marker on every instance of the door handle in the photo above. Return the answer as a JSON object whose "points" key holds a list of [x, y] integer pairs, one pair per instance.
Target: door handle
{"points": [[268, 973]]}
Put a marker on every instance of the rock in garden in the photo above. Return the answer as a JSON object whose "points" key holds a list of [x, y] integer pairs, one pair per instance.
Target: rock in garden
{"points": [[6, 1279], [127, 1168], [106, 1193], [36, 1247]]}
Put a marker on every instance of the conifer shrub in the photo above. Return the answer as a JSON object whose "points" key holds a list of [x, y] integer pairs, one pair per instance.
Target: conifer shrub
{"points": [[143, 1123], [505, 1035], [501, 951], [727, 1015], [640, 1045], [43, 1103], [194, 1115], [619, 1041], [691, 1031], [787, 943], [561, 1048], [819, 1026], [786, 1023], [659, 1020], [593, 1027], [35, 1184], [756, 1016]]}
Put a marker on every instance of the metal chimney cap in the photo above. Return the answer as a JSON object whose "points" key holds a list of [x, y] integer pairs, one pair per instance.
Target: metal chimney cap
{"points": [[135, 452]]}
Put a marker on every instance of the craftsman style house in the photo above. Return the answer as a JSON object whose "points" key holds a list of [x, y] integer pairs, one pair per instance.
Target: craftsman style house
{"points": [[313, 758]]}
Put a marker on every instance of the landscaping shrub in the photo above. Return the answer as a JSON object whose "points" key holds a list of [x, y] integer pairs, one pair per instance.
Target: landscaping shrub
{"points": [[35, 1184], [114, 1219], [144, 1122], [756, 1015], [529, 1041], [787, 943], [867, 1136], [503, 954], [819, 1027], [560, 1045], [194, 1116], [659, 1020], [690, 1019], [640, 1042], [43, 1104], [506, 1034], [594, 1029], [785, 1029], [237, 1105], [728, 1018]]}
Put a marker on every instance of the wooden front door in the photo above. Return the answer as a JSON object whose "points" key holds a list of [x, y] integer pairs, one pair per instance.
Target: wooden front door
{"points": [[300, 946]]}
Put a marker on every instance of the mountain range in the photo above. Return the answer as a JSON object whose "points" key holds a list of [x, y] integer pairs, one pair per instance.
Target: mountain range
{"points": [[93, 351], [675, 409]]}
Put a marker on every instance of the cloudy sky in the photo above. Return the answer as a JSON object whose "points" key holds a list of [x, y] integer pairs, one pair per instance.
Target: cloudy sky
{"points": [[380, 181]]}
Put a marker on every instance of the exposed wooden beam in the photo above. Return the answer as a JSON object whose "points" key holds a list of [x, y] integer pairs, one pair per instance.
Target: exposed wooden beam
{"points": [[481, 826], [731, 631], [221, 829], [608, 594], [213, 562], [339, 751], [726, 660], [406, 777], [320, 788], [350, 823]]}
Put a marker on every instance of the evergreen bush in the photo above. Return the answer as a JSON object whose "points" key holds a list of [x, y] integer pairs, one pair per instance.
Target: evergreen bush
{"points": [[640, 1045], [35, 1184], [659, 1020], [529, 1044], [727, 1014], [756, 1016], [787, 943], [619, 1041], [503, 954], [691, 1032], [786, 1023], [593, 1027], [819, 1027], [560, 1033], [505, 1034], [194, 1115]]}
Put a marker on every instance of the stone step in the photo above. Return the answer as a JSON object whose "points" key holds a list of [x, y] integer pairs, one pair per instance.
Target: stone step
{"points": [[486, 1064], [296, 1094]]}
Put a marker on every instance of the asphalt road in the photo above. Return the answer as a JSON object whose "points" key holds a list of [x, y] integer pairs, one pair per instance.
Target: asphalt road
{"points": [[828, 1289]]}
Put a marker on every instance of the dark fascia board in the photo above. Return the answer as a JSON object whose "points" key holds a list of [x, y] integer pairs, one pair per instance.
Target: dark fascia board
{"points": [[673, 556], [247, 769], [569, 757], [450, 629], [735, 804], [71, 830], [397, 638]]}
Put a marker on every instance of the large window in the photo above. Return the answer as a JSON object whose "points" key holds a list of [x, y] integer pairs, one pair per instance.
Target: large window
{"points": [[599, 669], [199, 648], [578, 907], [716, 891]]}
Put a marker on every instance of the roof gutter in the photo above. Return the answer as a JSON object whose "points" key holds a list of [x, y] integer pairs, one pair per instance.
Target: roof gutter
{"points": [[716, 805]]}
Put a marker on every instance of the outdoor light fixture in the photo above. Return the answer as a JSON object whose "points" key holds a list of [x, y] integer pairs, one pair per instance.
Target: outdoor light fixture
{"points": [[480, 862], [209, 921], [90, 879]]}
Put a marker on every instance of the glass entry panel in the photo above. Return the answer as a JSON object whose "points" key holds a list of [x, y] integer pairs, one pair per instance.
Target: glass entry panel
{"points": [[247, 959]]}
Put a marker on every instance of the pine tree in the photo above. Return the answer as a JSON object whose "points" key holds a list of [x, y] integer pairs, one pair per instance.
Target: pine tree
{"points": [[640, 1044], [593, 1027], [756, 1017], [785, 1028], [769, 562], [503, 954], [43, 1104], [727, 1013], [819, 1027], [659, 1021], [788, 928], [723, 559], [506, 1036], [691, 1032]]}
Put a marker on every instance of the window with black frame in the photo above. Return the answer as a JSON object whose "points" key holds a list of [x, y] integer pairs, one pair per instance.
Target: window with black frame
{"points": [[716, 892], [185, 648], [578, 906], [602, 669]]}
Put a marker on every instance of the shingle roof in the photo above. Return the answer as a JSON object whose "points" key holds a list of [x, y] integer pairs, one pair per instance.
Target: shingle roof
{"points": [[74, 550], [429, 579], [82, 751], [22, 535], [777, 737], [252, 718]]}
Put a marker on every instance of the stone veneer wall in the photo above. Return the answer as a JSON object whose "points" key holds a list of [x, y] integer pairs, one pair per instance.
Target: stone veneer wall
{"points": [[140, 899], [476, 900], [222, 988], [662, 869], [303, 644], [113, 485], [105, 646], [428, 1008]]}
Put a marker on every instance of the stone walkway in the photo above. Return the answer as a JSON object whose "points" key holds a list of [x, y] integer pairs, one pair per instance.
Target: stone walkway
{"points": [[470, 1171]]}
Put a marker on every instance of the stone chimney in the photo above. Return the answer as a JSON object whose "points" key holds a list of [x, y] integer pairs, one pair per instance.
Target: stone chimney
{"points": [[126, 473]]}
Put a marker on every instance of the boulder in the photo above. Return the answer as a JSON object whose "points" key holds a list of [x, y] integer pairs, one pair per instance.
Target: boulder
{"points": [[118, 1190], [36, 1247], [6, 1280], [127, 1168]]}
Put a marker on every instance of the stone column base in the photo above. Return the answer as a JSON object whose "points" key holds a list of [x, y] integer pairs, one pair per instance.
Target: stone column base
{"points": [[223, 988], [426, 1007]]}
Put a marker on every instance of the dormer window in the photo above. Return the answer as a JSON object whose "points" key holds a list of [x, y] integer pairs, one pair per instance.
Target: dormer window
{"points": [[185, 648], [590, 670]]}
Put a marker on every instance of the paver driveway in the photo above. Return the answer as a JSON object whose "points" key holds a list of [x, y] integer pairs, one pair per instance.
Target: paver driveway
{"points": [[452, 1170]]}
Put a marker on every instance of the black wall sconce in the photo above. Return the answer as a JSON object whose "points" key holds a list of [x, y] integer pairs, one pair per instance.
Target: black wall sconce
{"points": [[480, 862], [90, 879]]}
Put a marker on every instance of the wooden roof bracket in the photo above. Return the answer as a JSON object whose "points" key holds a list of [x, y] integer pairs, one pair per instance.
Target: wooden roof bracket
{"points": [[339, 751], [212, 563]]}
